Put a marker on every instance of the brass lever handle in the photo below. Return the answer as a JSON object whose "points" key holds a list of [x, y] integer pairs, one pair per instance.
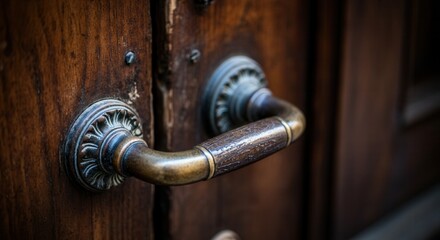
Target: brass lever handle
{"points": [[221, 154], [104, 144]]}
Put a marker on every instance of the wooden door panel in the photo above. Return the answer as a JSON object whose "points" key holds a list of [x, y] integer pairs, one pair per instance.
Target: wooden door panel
{"points": [[56, 58], [382, 158], [262, 201], [368, 110]]}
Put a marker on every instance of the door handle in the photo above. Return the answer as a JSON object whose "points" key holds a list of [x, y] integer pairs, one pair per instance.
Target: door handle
{"points": [[104, 144]]}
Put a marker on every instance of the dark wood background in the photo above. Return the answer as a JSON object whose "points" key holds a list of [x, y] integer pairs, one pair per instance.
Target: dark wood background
{"points": [[382, 160], [360, 70], [57, 57]]}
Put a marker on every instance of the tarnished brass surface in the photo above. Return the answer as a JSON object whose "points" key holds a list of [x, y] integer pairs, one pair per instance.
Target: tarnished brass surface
{"points": [[222, 154], [90, 145], [263, 104], [165, 168], [210, 158], [226, 235]]}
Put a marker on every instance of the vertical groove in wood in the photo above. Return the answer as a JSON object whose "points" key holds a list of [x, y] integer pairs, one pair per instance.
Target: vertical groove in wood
{"points": [[55, 59], [322, 96]]}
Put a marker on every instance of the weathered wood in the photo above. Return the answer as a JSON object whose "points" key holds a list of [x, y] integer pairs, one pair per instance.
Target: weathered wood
{"points": [[245, 145], [380, 162], [262, 201], [57, 57]]}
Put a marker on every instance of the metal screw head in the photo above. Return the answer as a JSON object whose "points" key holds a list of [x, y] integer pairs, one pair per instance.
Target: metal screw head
{"points": [[130, 57], [194, 56]]}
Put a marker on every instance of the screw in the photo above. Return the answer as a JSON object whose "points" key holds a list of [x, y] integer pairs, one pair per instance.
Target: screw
{"points": [[194, 56], [130, 57]]}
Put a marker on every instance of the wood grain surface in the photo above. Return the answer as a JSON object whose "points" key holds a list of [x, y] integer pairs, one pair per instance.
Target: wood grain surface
{"points": [[346, 64], [245, 145], [381, 162], [57, 57], [261, 201]]}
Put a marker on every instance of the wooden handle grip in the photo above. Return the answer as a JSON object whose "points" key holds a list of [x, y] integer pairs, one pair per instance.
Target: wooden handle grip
{"points": [[247, 144]]}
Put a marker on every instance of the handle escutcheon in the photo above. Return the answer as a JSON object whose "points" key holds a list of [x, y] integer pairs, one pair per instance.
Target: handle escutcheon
{"points": [[91, 141], [104, 144]]}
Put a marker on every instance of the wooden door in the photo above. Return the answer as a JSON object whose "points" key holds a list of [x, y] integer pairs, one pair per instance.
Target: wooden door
{"points": [[261, 201], [350, 66], [359, 70], [389, 115], [56, 58]]}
